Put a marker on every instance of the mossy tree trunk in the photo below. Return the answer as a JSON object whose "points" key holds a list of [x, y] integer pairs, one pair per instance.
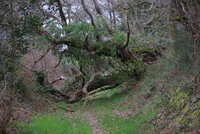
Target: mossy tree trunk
{"points": [[13, 60]]}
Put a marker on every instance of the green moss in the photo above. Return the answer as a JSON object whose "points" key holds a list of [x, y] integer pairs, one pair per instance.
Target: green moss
{"points": [[195, 113], [198, 103], [177, 120], [179, 99], [186, 109]]}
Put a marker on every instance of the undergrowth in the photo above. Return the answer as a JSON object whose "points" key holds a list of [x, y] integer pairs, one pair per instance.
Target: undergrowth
{"points": [[165, 101]]}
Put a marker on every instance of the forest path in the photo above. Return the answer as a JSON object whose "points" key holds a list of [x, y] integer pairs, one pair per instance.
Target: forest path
{"points": [[94, 123]]}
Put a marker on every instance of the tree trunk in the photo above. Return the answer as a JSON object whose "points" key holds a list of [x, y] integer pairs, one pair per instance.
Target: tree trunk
{"points": [[98, 84], [13, 61]]}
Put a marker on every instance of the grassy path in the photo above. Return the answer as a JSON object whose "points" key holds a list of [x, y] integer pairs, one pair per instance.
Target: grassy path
{"points": [[94, 123], [115, 115]]}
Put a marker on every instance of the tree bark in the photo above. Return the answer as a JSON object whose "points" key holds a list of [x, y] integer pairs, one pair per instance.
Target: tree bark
{"points": [[8, 116]]}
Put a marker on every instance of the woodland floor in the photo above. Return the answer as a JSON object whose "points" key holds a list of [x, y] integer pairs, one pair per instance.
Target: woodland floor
{"points": [[160, 103]]}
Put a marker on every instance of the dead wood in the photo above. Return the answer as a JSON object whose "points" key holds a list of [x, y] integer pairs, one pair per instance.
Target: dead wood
{"points": [[58, 79]]}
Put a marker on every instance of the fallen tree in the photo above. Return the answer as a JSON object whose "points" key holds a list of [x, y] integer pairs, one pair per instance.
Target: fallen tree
{"points": [[94, 47]]}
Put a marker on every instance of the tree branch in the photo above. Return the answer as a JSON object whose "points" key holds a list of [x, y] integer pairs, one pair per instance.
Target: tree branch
{"points": [[91, 17], [60, 59], [88, 12], [1, 95], [62, 15], [86, 86], [102, 89], [54, 42], [48, 14], [134, 5], [42, 56], [154, 17], [87, 45], [5, 85], [128, 32], [99, 11], [74, 69], [58, 79]]}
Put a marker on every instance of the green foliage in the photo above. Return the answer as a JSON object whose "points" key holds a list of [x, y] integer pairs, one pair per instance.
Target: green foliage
{"points": [[101, 28], [56, 29], [78, 31], [121, 38], [33, 22], [40, 75], [139, 66], [20, 88], [118, 38], [151, 41]]}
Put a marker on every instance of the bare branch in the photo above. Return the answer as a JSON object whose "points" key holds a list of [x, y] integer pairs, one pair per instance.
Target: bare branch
{"points": [[99, 11], [42, 31], [128, 32], [60, 59], [42, 56], [87, 45], [58, 79], [58, 63], [91, 17], [102, 89], [54, 42], [62, 15], [5, 85], [74, 69], [48, 14], [88, 12], [1, 95], [183, 8], [134, 5], [154, 17]]}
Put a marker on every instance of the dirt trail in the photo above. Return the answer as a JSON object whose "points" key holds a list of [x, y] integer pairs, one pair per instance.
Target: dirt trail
{"points": [[94, 123]]}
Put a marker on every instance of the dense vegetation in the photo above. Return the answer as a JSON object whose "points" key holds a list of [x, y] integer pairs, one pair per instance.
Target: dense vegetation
{"points": [[80, 66]]}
